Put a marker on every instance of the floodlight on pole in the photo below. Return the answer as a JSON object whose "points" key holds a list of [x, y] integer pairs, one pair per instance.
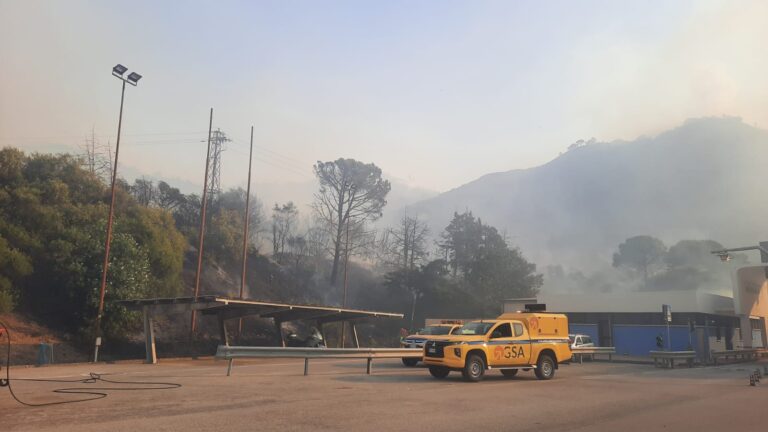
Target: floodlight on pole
{"points": [[133, 78], [117, 71]]}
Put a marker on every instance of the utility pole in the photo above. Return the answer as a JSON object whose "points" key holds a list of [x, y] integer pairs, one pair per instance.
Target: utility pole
{"points": [[245, 230], [204, 206]]}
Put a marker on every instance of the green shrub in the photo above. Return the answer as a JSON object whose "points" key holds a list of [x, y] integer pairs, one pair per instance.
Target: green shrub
{"points": [[7, 302]]}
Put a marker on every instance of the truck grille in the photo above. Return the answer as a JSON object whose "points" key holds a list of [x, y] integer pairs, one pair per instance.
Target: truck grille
{"points": [[415, 342], [435, 348]]}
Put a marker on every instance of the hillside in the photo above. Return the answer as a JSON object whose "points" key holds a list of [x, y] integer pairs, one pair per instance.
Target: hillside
{"points": [[26, 336], [700, 180]]}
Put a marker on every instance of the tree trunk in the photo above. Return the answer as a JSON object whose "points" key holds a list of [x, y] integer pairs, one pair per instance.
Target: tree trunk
{"points": [[274, 240], [337, 243], [335, 269]]}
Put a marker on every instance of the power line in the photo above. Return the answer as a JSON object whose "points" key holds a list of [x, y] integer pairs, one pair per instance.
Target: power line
{"points": [[267, 150], [263, 154], [201, 133], [276, 164], [278, 158]]}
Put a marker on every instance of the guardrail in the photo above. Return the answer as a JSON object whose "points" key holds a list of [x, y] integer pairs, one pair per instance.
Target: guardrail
{"points": [[745, 354], [580, 352], [232, 352], [668, 357]]}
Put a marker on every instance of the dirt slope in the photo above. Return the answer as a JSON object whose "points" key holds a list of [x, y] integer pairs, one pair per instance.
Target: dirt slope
{"points": [[26, 337]]}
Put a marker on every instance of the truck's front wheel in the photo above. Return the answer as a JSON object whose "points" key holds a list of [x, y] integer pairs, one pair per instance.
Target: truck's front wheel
{"points": [[474, 368], [545, 367], [439, 371]]}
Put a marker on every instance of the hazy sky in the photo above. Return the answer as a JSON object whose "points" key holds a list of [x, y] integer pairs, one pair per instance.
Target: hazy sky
{"points": [[436, 93]]}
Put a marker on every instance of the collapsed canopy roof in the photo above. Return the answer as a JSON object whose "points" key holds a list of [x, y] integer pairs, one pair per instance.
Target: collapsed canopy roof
{"points": [[228, 308]]}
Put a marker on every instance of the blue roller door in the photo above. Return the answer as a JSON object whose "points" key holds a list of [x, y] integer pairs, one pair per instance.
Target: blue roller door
{"points": [[639, 340]]}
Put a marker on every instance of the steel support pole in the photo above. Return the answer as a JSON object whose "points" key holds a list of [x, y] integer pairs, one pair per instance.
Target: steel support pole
{"points": [[322, 333], [223, 330], [306, 366], [149, 337], [279, 329], [108, 241], [354, 333]]}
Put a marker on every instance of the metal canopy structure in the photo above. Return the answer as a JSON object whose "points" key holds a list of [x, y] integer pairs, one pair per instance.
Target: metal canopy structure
{"points": [[225, 308]]}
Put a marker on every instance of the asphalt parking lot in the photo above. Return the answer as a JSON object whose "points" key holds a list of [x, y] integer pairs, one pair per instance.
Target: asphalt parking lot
{"points": [[337, 395]]}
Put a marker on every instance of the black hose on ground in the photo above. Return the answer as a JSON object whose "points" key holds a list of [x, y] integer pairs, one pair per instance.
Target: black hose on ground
{"points": [[93, 393]]}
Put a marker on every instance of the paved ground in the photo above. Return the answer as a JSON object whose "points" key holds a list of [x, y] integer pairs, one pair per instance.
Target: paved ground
{"points": [[273, 395]]}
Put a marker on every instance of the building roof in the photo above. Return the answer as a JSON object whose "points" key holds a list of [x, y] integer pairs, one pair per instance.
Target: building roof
{"points": [[680, 301]]}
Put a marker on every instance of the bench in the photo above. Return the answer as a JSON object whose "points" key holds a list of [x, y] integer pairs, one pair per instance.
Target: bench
{"points": [[580, 352], [746, 354], [667, 358], [230, 353]]}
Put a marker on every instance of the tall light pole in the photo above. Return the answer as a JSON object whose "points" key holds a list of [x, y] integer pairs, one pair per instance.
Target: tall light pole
{"points": [[132, 79]]}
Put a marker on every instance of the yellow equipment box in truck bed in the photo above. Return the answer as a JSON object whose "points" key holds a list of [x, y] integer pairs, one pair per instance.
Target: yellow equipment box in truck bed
{"points": [[513, 341]]}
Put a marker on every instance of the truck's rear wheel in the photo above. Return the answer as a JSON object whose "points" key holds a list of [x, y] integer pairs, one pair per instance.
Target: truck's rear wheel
{"points": [[439, 371], [410, 361], [509, 373], [474, 368], [545, 367]]}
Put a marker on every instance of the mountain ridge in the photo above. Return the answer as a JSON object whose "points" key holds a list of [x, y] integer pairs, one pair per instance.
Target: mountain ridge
{"points": [[692, 181]]}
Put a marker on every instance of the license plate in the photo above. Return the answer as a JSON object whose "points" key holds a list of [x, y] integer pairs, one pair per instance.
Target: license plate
{"points": [[413, 346], [432, 350]]}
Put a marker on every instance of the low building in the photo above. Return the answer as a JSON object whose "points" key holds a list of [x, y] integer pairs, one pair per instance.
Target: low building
{"points": [[703, 322]]}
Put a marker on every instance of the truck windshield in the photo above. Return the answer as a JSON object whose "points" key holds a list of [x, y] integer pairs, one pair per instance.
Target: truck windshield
{"points": [[435, 330], [475, 328]]}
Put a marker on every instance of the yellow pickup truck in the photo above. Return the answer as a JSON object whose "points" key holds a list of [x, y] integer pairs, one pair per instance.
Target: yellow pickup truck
{"points": [[513, 341]]}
